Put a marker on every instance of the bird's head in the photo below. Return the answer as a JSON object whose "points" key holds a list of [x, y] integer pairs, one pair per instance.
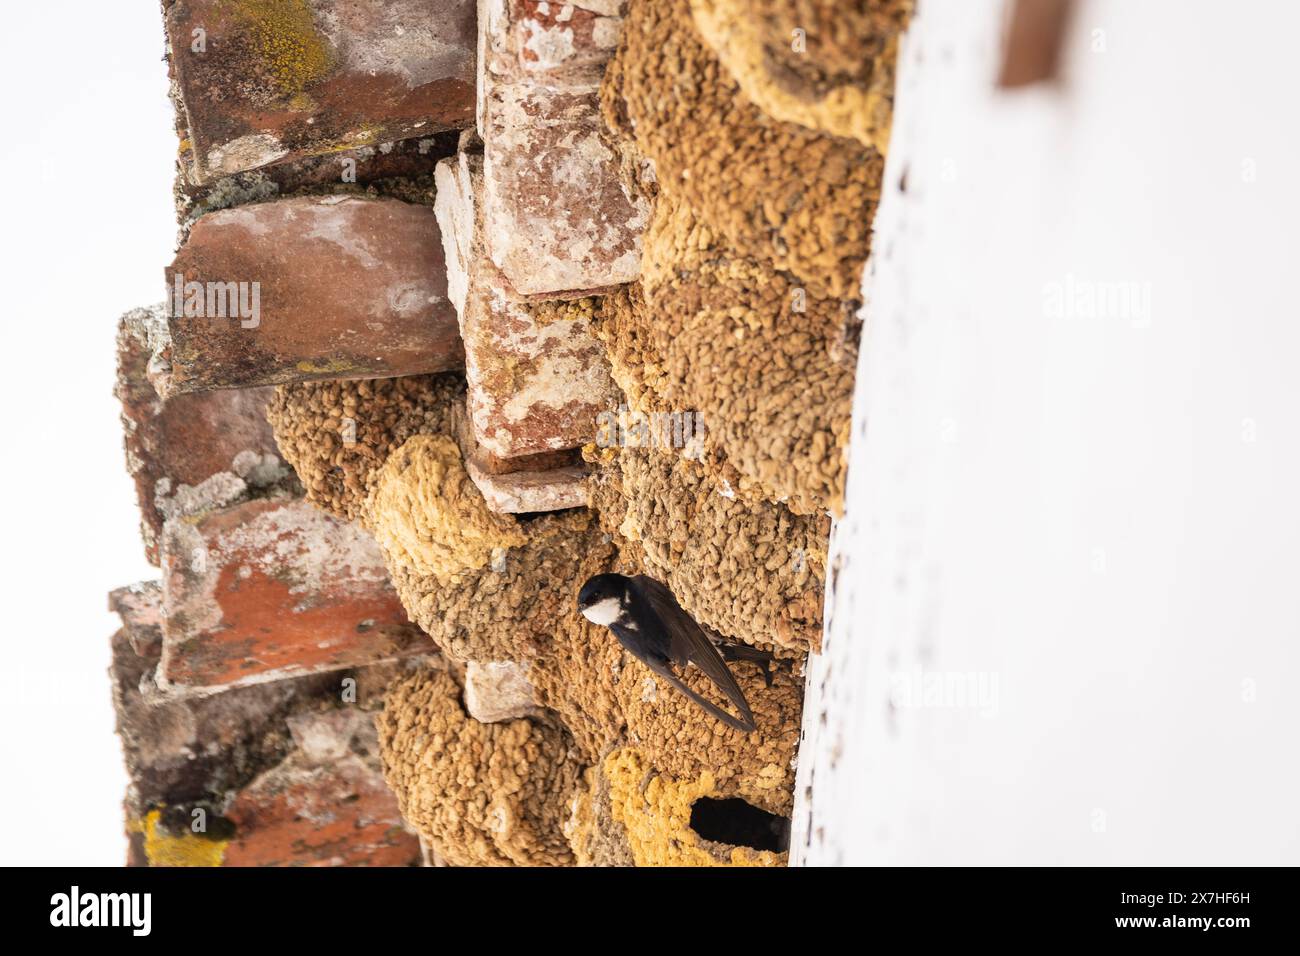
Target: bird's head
{"points": [[601, 599]]}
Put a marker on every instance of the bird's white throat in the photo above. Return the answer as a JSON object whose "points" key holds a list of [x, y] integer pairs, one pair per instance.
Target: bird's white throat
{"points": [[604, 612]]}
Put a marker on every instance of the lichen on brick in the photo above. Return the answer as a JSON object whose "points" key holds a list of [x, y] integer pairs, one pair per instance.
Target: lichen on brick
{"points": [[288, 45], [167, 846]]}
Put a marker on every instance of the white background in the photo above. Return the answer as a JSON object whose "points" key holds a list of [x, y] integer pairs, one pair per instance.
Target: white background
{"points": [[88, 156]]}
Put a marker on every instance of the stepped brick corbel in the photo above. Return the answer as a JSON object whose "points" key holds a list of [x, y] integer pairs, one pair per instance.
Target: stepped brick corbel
{"points": [[537, 378], [284, 773]]}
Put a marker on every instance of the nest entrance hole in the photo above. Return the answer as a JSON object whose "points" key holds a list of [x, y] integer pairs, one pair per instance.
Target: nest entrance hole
{"points": [[735, 822]]}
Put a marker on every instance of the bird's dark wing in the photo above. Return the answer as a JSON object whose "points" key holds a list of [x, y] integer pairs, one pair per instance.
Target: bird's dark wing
{"points": [[687, 641]]}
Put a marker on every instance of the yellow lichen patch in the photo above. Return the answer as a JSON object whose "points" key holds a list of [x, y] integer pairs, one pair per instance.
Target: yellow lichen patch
{"points": [[288, 45], [597, 839], [338, 434], [163, 848], [333, 367], [430, 517], [827, 64], [655, 810], [481, 794]]}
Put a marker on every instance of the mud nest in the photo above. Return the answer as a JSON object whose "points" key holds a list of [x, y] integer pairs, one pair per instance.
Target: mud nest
{"points": [[481, 794], [746, 306], [753, 571], [657, 813], [826, 64], [338, 434]]}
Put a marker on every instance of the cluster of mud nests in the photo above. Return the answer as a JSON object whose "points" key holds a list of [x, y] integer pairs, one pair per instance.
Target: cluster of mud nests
{"points": [[763, 168]]}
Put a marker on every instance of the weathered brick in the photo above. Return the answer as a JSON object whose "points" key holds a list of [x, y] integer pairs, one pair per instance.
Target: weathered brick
{"points": [[529, 492], [140, 608], [326, 805], [499, 690], [526, 484], [186, 750], [333, 287], [189, 451], [278, 773], [274, 588], [537, 376], [261, 82], [558, 218]]}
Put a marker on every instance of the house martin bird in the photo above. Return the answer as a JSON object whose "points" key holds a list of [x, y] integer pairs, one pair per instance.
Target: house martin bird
{"points": [[648, 622]]}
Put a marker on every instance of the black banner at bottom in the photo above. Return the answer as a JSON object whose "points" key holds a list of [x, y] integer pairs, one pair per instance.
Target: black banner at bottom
{"points": [[302, 906]]}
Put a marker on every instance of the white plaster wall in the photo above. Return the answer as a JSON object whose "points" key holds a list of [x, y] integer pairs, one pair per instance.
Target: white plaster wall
{"points": [[1096, 515]]}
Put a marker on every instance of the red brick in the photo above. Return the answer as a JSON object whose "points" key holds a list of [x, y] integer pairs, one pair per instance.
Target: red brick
{"points": [[290, 78], [188, 451], [345, 288], [286, 772], [140, 608], [275, 588], [557, 216], [193, 749], [537, 378], [326, 805]]}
